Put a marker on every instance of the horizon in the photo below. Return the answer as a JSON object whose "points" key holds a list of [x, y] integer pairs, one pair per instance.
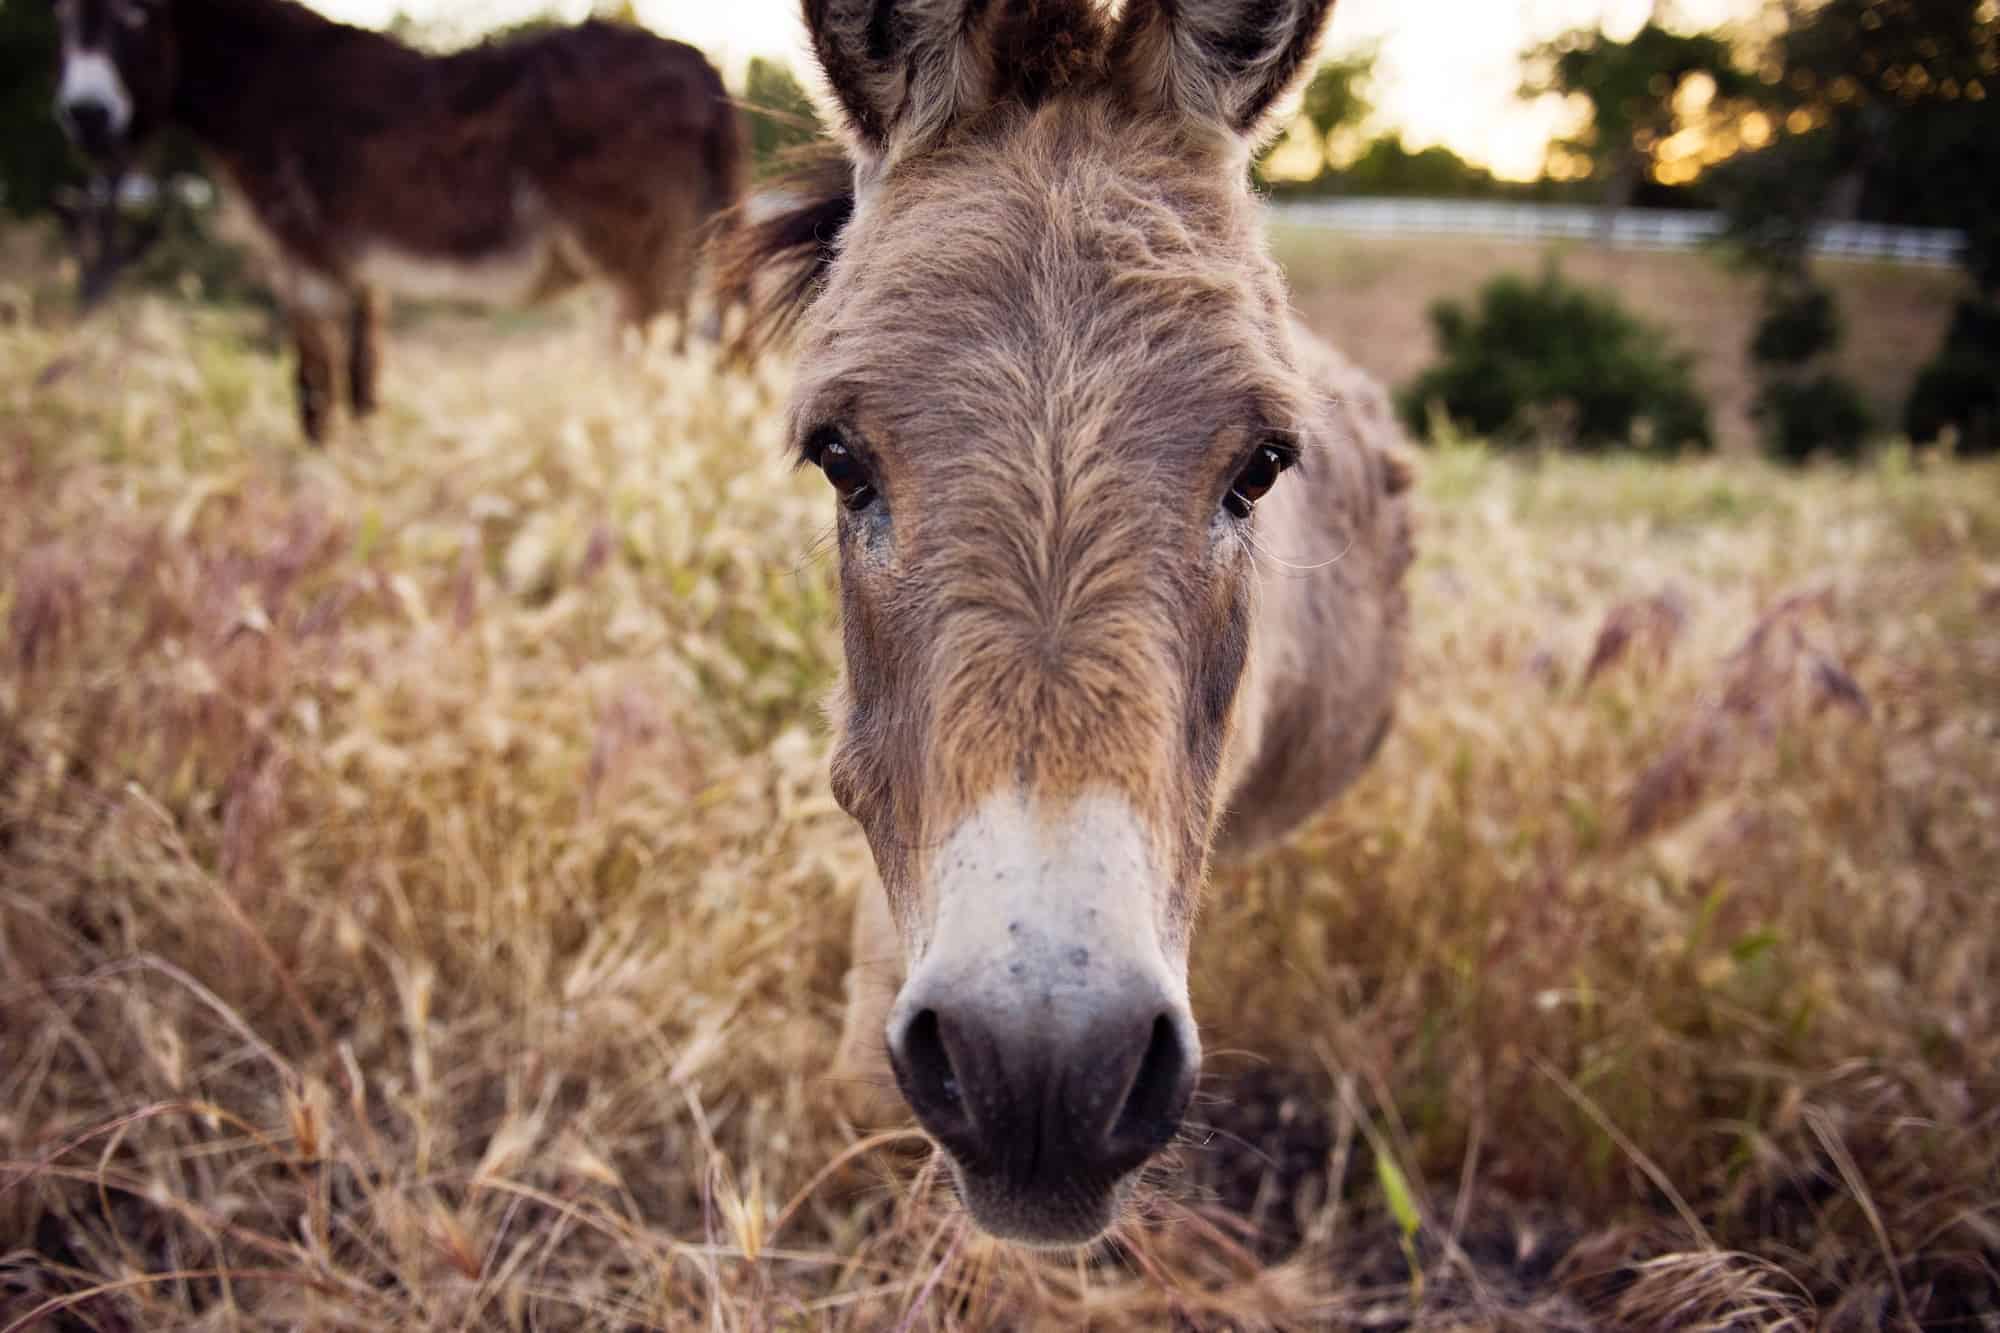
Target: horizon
{"points": [[1439, 80]]}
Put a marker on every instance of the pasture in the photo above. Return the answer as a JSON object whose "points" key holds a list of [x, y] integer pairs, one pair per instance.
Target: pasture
{"points": [[422, 906], [1373, 296]]}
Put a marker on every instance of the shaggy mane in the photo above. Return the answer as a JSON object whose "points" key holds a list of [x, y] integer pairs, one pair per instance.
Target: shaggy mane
{"points": [[772, 261]]}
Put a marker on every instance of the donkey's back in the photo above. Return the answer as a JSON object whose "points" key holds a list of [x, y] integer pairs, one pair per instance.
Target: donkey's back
{"points": [[501, 173]]}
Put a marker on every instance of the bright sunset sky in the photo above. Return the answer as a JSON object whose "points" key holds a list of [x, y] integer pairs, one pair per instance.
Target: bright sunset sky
{"points": [[1447, 73]]}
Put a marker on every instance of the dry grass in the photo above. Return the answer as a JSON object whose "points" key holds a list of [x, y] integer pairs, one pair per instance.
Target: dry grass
{"points": [[1372, 295], [421, 906]]}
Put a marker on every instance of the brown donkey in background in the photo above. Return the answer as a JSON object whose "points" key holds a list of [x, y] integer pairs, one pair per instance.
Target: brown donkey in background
{"points": [[499, 174], [1093, 635]]}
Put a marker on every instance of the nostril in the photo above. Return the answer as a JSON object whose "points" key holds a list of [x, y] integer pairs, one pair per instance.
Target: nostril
{"points": [[930, 1063], [929, 1079], [88, 117], [1153, 1108]]}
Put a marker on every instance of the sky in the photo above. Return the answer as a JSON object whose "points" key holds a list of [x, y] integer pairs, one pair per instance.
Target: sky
{"points": [[1447, 69]]}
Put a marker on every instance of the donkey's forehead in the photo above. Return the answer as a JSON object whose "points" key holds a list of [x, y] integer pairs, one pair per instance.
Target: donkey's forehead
{"points": [[1075, 267], [94, 22]]}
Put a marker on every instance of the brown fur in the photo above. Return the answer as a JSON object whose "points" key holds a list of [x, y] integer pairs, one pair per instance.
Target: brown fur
{"points": [[1098, 421], [598, 151], [1051, 330]]}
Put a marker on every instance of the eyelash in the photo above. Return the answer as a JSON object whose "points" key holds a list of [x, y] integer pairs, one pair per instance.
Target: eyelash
{"points": [[854, 480], [851, 478], [1276, 454]]}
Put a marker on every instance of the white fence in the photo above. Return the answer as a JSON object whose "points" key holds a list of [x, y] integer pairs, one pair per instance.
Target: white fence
{"points": [[1632, 228]]}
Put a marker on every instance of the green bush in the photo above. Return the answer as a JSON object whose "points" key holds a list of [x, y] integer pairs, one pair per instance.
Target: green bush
{"points": [[1546, 356], [1817, 414], [1798, 325], [1961, 388]]}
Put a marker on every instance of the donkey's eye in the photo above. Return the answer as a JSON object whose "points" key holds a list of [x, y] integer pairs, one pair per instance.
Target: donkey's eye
{"points": [[1256, 479], [847, 474]]}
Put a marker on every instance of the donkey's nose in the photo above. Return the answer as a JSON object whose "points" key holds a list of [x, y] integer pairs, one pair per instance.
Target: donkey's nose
{"points": [[89, 122], [1043, 1103]]}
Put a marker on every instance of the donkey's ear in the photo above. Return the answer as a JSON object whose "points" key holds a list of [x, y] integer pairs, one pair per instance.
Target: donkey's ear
{"points": [[903, 71], [1225, 61], [900, 70]]}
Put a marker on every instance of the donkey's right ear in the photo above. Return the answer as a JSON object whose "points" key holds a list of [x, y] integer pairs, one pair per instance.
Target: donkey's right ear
{"points": [[901, 71]]}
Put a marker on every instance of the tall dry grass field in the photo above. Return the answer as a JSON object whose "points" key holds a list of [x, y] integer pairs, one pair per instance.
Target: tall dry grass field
{"points": [[421, 905]]}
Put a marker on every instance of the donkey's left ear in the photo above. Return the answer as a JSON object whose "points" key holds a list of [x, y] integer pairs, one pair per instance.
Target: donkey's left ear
{"points": [[897, 70], [1229, 62], [904, 71]]}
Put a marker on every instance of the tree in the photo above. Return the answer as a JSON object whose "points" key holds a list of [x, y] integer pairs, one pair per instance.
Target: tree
{"points": [[1337, 98], [1876, 78], [1888, 109], [1331, 111], [35, 160], [1634, 89], [780, 113], [1388, 166]]}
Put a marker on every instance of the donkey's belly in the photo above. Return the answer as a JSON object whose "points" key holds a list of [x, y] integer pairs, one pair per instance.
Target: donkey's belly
{"points": [[538, 258], [540, 261]]}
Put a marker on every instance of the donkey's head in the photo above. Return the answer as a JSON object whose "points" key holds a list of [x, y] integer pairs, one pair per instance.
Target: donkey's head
{"points": [[119, 62], [1049, 377]]}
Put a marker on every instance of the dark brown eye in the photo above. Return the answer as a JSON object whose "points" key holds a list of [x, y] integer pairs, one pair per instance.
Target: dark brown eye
{"points": [[847, 474], [1256, 479]]}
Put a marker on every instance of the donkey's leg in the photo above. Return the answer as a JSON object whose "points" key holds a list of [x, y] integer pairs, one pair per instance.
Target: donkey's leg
{"points": [[316, 338], [677, 293], [364, 350], [865, 1085], [662, 282], [667, 288]]}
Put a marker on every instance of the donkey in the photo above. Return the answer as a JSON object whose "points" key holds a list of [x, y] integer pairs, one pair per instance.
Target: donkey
{"points": [[499, 174], [1121, 551]]}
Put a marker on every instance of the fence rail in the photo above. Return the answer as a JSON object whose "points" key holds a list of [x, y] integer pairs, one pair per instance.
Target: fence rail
{"points": [[1632, 228]]}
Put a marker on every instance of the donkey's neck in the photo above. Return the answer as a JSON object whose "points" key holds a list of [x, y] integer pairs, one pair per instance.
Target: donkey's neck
{"points": [[1335, 543]]}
